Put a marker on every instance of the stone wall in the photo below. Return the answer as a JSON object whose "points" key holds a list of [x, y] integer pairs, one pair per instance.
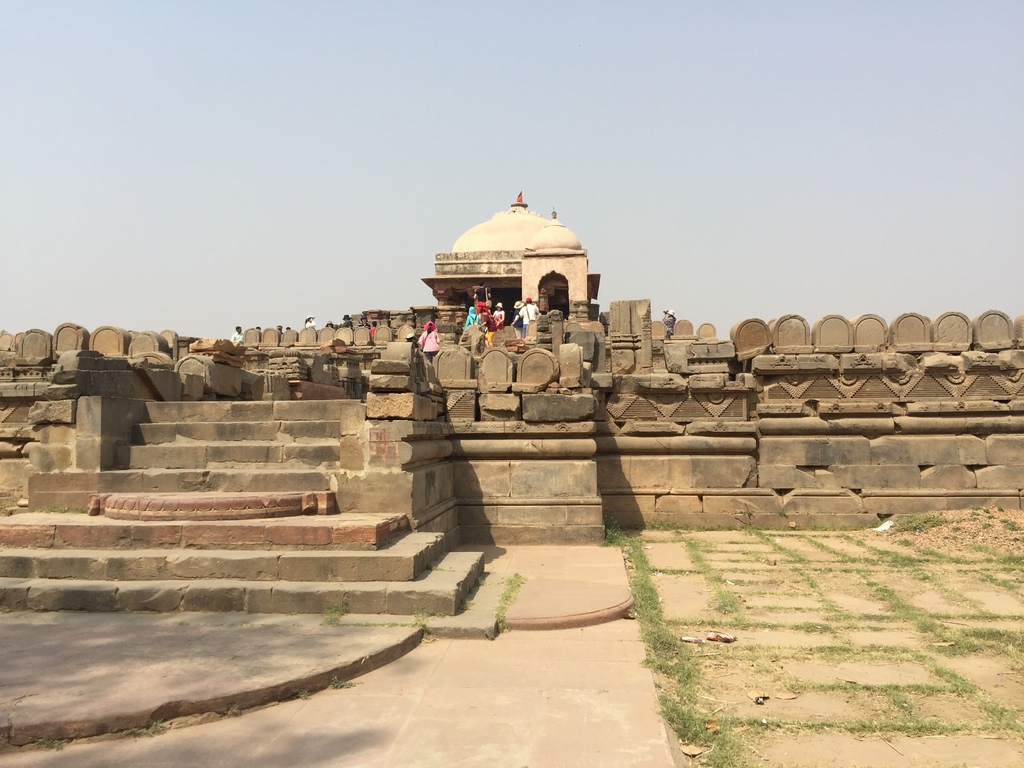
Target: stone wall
{"points": [[785, 423]]}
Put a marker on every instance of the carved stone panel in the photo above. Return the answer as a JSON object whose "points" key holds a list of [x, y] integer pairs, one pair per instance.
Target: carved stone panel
{"points": [[344, 334], [251, 337], [147, 342], [707, 331], [271, 337], [496, 371], [791, 335], [110, 341], [383, 335], [683, 329], [6, 342], [289, 338], [870, 333], [69, 336], [832, 334], [404, 331], [993, 331], [171, 336], [36, 347], [308, 337], [325, 335], [455, 364], [658, 331], [952, 332], [911, 332], [538, 368], [751, 338]]}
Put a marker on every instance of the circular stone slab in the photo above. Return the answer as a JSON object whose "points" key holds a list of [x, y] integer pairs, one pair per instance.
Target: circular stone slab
{"points": [[204, 506]]}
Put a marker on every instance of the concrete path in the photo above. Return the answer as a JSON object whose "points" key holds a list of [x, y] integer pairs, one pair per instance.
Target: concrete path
{"points": [[555, 698]]}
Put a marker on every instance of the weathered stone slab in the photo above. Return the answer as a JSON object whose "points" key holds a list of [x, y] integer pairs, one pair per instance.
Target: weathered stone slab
{"points": [[344, 334], [496, 371], [550, 408], [271, 337], [993, 331], [454, 364], [404, 405], [832, 334], [36, 347], [537, 369], [952, 332], [290, 337], [308, 337], [110, 340], [752, 337], [791, 335], [383, 335], [707, 331], [572, 374], [148, 342], [69, 336], [218, 379], [910, 332], [870, 333], [500, 407]]}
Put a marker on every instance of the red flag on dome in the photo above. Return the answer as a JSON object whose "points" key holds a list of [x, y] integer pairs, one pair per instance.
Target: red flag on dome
{"points": [[520, 198]]}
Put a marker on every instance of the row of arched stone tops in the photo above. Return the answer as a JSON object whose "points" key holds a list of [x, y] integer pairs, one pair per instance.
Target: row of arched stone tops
{"points": [[36, 345], [311, 337], [911, 332]]}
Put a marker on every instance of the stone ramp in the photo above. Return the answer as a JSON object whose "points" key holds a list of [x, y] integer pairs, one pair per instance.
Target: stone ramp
{"points": [[83, 675]]}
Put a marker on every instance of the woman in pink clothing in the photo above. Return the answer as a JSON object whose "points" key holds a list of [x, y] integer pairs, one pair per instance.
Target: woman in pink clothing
{"points": [[430, 342]]}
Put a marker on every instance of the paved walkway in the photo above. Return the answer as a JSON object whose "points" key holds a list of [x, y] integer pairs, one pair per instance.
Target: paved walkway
{"points": [[529, 698]]}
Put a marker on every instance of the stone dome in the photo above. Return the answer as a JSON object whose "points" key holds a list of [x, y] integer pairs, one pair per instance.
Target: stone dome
{"points": [[511, 230], [554, 236]]}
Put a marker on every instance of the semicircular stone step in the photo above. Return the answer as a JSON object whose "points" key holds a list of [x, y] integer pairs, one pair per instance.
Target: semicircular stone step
{"points": [[210, 506]]}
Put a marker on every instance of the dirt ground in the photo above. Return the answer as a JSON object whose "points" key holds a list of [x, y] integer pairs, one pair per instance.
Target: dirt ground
{"points": [[856, 648]]}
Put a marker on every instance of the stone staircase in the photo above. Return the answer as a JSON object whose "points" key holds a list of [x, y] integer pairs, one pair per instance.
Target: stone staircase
{"points": [[365, 562]]}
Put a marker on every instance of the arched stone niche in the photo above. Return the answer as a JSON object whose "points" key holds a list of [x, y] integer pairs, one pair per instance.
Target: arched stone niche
{"points": [[147, 342], [751, 337], [308, 337], [271, 338], [993, 331], [707, 332], [325, 335], [289, 338], [952, 332], [110, 340], [496, 371], [832, 334], [870, 333], [658, 330], [791, 335], [343, 334], [361, 337], [383, 335], [252, 337], [537, 369], [69, 337], [455, 367], [912, 333], [36, 347], [172, 341]]}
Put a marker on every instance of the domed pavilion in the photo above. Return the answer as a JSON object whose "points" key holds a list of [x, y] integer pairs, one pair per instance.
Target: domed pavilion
{"points": [[517, 253]]}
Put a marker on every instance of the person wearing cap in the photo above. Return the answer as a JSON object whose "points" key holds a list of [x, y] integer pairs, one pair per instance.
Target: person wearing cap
{"points": [[669, 319], [529, 313], [430, 342], [311, 322], [499, 316]]}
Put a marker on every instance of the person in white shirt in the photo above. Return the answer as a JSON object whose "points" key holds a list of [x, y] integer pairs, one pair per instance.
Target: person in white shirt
{"points": [[529, 313], [237, 336]]}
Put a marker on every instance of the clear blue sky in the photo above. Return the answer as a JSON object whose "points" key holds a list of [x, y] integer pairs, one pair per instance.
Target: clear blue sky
{"points": [[197, 165]]}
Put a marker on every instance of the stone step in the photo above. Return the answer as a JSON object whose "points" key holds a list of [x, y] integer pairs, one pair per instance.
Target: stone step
{"points": [[214, 455], [440, 590], [355, 531], [402, 560], [71, 490], [346, 412], [228, 431]]}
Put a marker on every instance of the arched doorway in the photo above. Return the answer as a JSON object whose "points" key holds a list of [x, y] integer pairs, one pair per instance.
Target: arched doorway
{"points": [[554, 293]]}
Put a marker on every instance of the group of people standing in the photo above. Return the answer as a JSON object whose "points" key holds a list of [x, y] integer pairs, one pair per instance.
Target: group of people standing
{"points": [[480, 314]]}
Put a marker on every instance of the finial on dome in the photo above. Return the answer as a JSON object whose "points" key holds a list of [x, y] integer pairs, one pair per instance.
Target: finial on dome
{"points": [[554, 214], [519, 202]]}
